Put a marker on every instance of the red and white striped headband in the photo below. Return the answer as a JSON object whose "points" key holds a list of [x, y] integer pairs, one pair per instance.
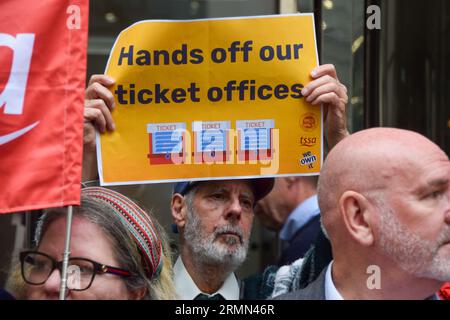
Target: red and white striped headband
{"points": [[137, 222]]}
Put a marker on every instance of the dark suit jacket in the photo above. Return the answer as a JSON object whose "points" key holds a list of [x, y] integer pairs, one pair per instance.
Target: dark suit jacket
{"points": [[314, 291], [301, 242], [4, 295]]}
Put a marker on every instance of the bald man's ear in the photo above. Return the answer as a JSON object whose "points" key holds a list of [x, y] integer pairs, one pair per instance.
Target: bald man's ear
{"points": [[178, 207], [356, 214]]}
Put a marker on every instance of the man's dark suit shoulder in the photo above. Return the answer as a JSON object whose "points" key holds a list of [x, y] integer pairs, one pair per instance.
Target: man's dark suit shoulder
{"points": [[314, 291], [301, 242]]}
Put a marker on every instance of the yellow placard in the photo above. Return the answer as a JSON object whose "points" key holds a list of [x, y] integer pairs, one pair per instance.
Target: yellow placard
{"points": [[212, 99]]}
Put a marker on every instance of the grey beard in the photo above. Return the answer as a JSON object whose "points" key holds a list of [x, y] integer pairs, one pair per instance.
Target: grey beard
{"points": [[208, 251], [413, 254]]}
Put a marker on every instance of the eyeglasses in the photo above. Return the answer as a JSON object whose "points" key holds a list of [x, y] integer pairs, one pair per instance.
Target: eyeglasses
{"points": [[37, 268]]}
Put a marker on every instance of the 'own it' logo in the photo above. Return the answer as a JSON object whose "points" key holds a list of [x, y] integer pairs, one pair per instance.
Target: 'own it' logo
{"points": [[13, 96]]}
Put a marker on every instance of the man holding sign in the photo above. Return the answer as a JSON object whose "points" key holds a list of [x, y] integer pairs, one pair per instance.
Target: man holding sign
{"points": [[219, 211], [214, 219]]}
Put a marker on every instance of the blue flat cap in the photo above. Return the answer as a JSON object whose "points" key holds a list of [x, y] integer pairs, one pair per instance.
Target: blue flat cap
{"points": [[261, 187]]}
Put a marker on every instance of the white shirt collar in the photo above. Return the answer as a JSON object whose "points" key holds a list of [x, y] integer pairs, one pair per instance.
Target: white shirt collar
{"points": [[331, 293], [187, 290]]}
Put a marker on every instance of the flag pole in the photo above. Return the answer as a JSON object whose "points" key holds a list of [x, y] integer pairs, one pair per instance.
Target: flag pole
{"points": [[66, 254]]}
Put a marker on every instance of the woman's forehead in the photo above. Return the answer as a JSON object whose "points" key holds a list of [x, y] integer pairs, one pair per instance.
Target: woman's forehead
{"points": [[87, 239]]}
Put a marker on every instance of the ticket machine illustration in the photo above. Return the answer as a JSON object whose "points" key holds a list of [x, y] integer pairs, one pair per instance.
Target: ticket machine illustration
{"points": [[211, 141], [167, 143], [255, 139]]}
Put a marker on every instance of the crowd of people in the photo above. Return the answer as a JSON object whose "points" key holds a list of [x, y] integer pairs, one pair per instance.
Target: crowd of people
{"points": [[374, 225]]}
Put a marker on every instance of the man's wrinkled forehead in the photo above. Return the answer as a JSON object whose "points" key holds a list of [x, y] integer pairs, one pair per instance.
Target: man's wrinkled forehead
{"points": [[244, 186], [438, 175], [415, 174]]}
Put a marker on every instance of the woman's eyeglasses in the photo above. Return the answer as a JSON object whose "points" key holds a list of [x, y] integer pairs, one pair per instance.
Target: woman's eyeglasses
{"points": [[37, 268]]}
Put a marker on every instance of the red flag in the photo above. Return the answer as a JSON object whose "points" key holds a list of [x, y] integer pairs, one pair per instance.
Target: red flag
{"points": [[444, 293], [43, 46]]}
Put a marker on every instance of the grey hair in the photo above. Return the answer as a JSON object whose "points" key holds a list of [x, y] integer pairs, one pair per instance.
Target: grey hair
{"points": [[189, 197], [126, 251]]}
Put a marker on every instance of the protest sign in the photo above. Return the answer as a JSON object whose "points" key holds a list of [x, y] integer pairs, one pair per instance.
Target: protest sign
{"points": [[212, 99]]}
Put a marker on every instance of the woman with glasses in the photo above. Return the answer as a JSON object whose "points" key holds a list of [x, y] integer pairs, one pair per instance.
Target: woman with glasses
{"points": [[118, 251]]}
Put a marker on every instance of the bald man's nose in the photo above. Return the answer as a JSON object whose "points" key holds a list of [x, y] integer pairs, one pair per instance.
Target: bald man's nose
{"points": [[447, 207], [447, 214]]}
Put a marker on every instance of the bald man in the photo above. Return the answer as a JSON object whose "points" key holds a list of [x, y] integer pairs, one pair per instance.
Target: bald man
{"points": [[384, 196]]}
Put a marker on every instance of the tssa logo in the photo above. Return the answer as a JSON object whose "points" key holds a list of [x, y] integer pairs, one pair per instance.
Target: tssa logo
{"points": [[308, 141], [13, 95]]}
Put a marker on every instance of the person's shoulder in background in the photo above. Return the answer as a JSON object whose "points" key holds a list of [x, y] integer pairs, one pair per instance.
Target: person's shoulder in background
{"points": [[259, 286], [5, 295]]}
